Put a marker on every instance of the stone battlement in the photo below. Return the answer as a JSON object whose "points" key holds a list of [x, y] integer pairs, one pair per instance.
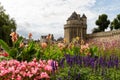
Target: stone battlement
{"points": [[76, 26], [104, 34]]}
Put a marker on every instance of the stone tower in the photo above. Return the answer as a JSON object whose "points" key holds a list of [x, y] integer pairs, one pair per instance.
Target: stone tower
{"points": [[75, 27]]}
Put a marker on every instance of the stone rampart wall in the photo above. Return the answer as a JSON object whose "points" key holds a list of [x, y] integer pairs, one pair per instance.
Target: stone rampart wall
{"points": [[110, 39]]}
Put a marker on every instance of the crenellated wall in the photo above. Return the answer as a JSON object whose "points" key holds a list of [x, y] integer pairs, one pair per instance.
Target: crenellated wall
{"points": [[108, 39], [104, 34], [76, 26]]}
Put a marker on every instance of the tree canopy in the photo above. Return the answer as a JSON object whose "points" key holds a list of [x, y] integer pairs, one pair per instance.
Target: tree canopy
{"points": [[7, 25], [102, 22], [115, 24]]}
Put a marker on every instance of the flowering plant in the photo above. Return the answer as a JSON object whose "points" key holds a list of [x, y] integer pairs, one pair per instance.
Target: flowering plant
{"points": [[20, 51], [24, 70]]}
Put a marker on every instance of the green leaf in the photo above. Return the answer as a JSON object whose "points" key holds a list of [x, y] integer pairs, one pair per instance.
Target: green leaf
{"points": [[38, 54], [13, 53], [31, 46], [17, 43], [4, 46]]}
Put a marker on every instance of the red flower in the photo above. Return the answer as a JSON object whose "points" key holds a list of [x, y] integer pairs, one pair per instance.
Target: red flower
{"points": [[4, 54]]}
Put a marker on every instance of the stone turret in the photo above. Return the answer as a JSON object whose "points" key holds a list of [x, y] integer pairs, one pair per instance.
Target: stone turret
{"points": [[84, 18], [75, 27]]}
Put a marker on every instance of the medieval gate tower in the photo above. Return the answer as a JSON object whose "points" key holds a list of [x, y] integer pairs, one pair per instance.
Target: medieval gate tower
{"points": [[75, 27]]}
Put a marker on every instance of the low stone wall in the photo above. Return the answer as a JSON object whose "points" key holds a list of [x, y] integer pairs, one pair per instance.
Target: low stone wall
{"points": [[104, 34], [110, 39]]}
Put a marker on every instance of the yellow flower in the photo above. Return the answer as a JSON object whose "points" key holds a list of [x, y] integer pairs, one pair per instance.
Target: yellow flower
{"points": [[82, 42], [64, 40], [77, 38]]}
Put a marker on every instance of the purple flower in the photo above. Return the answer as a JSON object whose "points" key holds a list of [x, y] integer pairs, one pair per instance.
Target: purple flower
{"points": [[62, 62]]}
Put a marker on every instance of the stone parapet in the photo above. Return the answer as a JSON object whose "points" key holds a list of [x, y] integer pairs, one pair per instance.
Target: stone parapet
{"points": [[103, 34], [107, 40]]}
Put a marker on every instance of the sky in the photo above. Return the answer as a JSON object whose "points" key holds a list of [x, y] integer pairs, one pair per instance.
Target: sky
{"points": [[41, 17]]}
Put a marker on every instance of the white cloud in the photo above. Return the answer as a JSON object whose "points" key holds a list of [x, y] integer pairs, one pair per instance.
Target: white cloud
{"points": [[48, 16], [44, 16]]}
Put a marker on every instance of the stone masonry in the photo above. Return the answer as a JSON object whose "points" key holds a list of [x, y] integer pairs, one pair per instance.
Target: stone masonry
{"points": [[76, 26]]}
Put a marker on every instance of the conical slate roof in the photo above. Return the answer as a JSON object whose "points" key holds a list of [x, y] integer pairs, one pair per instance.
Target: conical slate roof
{"points": [[73, 16], [84, 16]]}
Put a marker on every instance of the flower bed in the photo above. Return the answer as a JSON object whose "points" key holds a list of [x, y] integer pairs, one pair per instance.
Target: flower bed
{"points": [[34, 70], [59, 61]]}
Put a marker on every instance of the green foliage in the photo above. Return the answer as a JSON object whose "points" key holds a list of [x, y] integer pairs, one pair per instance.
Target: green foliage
{"points": [[20, 53], [77, 72], [4, 45], [102, 22], [115, 24], [72, 51], [6, 26], [27, 53], [94, 51], [4, 58], [38, 54], [52, 52], [13, 53], [17, 43]]}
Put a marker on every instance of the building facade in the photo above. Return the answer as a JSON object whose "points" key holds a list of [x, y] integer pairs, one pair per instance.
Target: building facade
{"points": [[76, 26]]}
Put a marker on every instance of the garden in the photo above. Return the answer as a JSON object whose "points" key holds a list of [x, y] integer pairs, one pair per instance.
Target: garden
{"points": [[58, 60]]}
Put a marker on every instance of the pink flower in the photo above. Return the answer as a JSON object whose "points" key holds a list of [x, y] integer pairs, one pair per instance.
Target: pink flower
{"points": [[11, 69], [48, 68], [14, 69], [44, 75], [19, 77], [35, 60], [50, 62]]}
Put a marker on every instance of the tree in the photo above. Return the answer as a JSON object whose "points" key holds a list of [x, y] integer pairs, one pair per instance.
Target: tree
{"points": [[111, 26], [115, 24], [7, 25], [95, 30], [102, 22]]}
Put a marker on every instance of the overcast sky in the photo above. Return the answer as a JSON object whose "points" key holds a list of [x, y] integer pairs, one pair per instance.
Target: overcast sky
{"points": [[42, 17]]}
